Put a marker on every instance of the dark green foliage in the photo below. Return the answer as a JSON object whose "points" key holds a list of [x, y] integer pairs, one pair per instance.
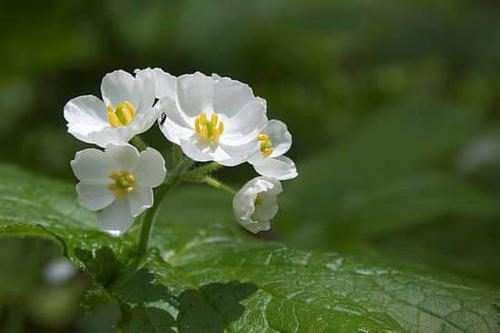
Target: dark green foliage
{"points": [[213, 279]]}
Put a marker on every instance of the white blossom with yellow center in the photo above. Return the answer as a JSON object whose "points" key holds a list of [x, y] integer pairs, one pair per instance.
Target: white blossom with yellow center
{"points": [[275, 140], [118, 183], [126, 109], [213, 118], [254, 205]]}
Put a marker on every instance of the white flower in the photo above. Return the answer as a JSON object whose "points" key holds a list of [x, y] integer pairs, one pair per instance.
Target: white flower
{"points": [[126, 109], [117, 181], [255, 203], [213, 118], [275, 140]]}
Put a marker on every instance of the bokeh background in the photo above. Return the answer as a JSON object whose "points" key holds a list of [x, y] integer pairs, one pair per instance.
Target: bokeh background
{"points": [[393, 106]]}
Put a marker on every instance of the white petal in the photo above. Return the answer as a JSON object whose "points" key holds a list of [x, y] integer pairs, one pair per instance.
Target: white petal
{"points": [[193, 151], [257, 226], [175, 126], [85, 114], [118, 87], [144, 87], [165, 84], [246, 124], [195, 93], [239, 154], [230, 96], [256, 217], [109, 135], [140, 200], [244, 201], [150, 169], [276, 189], [174, 133], [92, 164], [267, 209], [280, 167], [279, 135], [202, 151], [233, 161], [125, 156], [116, 218], [93, 194], [144, 120]]}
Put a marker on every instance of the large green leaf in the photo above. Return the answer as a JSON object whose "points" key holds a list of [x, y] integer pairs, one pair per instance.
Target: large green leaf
{"points": [[214, 279]]}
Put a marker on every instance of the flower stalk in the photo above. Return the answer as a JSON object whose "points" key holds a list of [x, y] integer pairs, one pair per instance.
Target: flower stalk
{"points": [[150, 216], [198, 175], [218, 185]]}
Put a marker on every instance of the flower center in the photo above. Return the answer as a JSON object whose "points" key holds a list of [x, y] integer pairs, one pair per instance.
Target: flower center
{"points": [[266, 145], [124, 183], [122, 115], [209, 130]]}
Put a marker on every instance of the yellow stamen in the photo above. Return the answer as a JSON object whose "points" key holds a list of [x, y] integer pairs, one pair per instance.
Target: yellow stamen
{"points": [[112, 187], [266, 145], [197, 125], [215, 136], [266, 152], [204, 133], [203, 118], [209, 130], [122, 115], [123, 183], [214, 118]]}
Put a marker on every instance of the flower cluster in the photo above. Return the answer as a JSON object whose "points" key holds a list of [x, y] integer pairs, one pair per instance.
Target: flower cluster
{"points": [[211, 118]]}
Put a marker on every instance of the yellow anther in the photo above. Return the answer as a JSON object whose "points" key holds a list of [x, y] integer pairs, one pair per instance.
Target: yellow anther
{"points": [[112, 118], [215, 135], [203, 118], [214, 118], [197, 125], [266, 145], [122, 115], [123, 183], [204, 133], [266, 152], [112, 187], [221, 128], [209, 130]]}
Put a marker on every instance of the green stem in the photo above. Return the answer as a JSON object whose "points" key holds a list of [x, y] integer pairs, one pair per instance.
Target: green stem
{"points": [[203, 170], [151, 213], [217, 184], [139, 143]]}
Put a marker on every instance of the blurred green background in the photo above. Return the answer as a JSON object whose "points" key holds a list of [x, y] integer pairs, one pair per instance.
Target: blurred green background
{"points": [[393, 106]]}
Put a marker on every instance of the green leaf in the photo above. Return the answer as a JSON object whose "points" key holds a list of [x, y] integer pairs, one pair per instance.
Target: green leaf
{"points": [[214, 279]]}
